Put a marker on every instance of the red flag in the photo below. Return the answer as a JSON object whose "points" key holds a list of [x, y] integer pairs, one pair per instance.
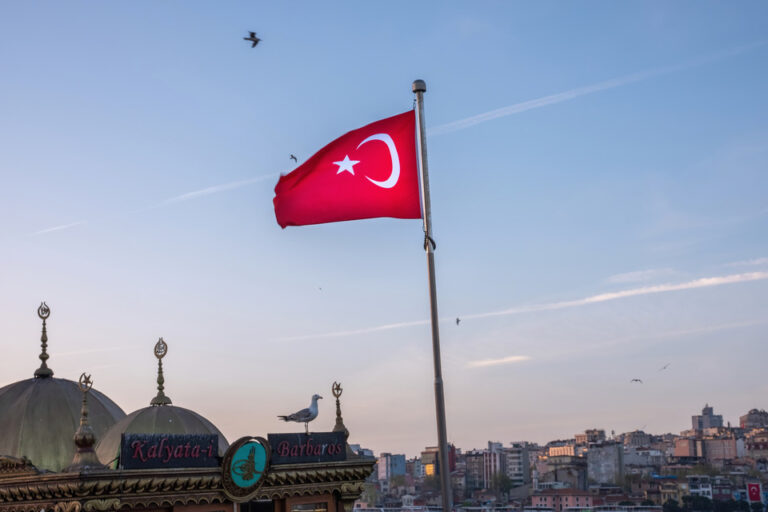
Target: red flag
{"points": [[365, 173], [753, 490]]}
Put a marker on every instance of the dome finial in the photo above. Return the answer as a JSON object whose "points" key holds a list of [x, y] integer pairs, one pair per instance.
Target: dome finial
{"points": [[85, 457], [43, 372], [339, 427], [161, 349]]}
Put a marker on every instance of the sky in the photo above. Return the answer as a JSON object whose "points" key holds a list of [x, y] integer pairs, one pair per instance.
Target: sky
{"points": [[599, 175]]}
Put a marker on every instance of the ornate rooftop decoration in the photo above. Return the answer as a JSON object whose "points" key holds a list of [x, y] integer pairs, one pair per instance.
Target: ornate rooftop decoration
{"points": [[339, 427], [161, 349], [85, 456], [43, 372]]}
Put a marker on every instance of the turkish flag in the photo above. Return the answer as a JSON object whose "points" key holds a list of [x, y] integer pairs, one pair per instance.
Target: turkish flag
{"points": [[365, 173], [753, 491]]}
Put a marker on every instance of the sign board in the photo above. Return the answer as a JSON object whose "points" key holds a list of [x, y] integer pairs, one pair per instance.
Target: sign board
{"points": [[301, 448], [150, 451], [244, 467]]}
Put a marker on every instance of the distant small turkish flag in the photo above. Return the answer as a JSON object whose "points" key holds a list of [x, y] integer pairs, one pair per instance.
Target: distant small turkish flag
{"points": [[365, 173], [753, 491]]}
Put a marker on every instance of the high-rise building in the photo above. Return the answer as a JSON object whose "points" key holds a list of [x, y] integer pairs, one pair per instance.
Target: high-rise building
{"points": [[518, 464], [707, 419], [605, 463], [754, 419], [494, 462], [474, 470], [390, 465]]}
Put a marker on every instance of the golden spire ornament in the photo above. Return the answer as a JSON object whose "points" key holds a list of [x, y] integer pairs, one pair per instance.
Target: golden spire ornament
{"points": [[161, 349]]}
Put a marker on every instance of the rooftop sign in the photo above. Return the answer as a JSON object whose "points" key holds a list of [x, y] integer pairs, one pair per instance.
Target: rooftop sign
{"points": [[148, 451]]}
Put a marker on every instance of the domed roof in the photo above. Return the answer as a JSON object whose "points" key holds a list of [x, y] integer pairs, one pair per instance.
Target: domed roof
{"points": [[39, 416], [161, 417], [156, 419]]}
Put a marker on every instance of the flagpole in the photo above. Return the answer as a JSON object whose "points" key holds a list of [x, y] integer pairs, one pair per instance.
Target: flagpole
{"points": [[419, 88]]}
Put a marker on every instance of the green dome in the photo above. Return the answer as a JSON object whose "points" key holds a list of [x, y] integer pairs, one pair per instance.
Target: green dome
{"points": [[39, 417], [163, 419]]}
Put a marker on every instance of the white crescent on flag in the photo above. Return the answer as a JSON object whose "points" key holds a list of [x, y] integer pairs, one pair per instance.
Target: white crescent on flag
{"points": [[395, 175]]}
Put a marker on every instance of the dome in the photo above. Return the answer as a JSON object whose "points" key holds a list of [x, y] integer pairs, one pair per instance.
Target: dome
{"points": [[39, 416], [156, 419], [161, 417]]}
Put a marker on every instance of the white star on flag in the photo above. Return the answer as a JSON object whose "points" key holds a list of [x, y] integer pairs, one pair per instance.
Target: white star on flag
{"points": [[346, 165]]}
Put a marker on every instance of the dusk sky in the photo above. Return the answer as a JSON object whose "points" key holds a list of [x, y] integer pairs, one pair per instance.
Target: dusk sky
{"points": [[599, 176]]}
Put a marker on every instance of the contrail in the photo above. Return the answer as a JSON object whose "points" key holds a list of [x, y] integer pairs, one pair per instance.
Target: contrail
{"points": [[177, 199], [704, 282], [215, 189], [582, 91], [495, 362], [57, 228]]}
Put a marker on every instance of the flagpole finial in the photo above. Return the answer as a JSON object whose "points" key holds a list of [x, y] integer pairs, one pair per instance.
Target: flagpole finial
{"points": [[419, 86]]}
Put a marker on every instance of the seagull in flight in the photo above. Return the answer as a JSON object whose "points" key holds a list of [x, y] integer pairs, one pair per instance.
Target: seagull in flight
{"points": [[305, 415], [665, 366], [458, 320], [293, 157], [636, 380], [255, 40]]}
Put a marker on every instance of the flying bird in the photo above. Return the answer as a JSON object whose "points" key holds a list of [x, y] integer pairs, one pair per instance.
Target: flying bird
{"points": [[255, 40], [665, 366], [458, 320], [636, 380], [305, 415], [293, 157]]}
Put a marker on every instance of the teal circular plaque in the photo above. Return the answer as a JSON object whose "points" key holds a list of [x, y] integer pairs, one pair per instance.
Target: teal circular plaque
{"points": [[245, 464]]}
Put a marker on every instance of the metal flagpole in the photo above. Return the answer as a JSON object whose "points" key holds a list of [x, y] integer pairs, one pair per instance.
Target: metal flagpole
{"points": [[419, 88]]}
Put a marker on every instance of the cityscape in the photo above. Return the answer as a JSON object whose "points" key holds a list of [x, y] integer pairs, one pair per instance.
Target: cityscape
{"points": [[712, 465], [433, 256]]}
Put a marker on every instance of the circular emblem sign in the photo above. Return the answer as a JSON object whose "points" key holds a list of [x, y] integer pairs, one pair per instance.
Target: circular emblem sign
{"points": [[244, 467]]}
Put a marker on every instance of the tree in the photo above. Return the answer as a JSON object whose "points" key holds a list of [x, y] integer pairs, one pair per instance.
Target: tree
{"points": [[501, 483], [697, 504], [431, 483], [397, 481], [370, 495], [671, 506]]}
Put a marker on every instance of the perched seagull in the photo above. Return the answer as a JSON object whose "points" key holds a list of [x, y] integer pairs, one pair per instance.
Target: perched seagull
{"points": [[458, 320], [255, 40], [636, 380], [305, 415], [293, 157], [665, 366]]}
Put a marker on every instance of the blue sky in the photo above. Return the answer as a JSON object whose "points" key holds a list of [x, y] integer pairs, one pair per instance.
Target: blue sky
{"points": [[576, 150]]}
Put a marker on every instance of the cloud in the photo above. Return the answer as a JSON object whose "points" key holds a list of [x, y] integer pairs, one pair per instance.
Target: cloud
{"points": [[704, 282], [496, 362], [639, 276], [57, 228], [583, 91]]}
